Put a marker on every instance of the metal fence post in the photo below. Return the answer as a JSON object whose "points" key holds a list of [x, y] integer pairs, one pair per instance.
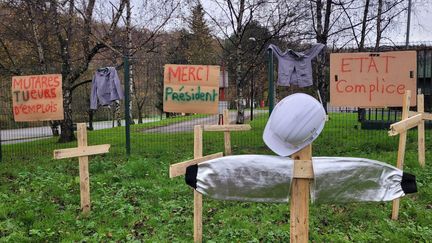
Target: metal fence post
{"points": [[1, 154], [271, 81], [127, 107]]}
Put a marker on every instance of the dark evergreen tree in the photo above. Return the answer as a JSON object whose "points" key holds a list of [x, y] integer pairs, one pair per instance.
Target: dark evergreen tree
{"points": [[201, 48]]}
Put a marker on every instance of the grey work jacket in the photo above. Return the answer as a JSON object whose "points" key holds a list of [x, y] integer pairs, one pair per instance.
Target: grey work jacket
{"points": [[295, 68]]}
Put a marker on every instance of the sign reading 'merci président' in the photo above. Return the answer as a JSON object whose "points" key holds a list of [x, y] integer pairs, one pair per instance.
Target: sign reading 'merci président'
{"points": [[191, 89], [372, 79], [37, 97]]}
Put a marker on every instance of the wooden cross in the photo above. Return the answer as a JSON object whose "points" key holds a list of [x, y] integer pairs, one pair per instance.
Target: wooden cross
{"points": [[227, 128], [300, 190], [409, 120], [180, 168], [82, 152]]}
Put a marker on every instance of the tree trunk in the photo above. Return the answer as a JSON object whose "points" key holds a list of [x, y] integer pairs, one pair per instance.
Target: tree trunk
{"points": [[322, 31], [67, 133], [239, 82], [129, 51], [361, 115], [90, 114], [364, 22], [140, 115], [41, 55]]}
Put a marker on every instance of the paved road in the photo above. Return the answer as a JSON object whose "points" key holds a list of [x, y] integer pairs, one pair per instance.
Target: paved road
{"points": [[20, 135], [12, 136], [187, 126]]}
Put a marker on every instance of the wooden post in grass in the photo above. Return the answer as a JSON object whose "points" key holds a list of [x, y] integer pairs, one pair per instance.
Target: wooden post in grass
{"points": [[82, 152], [198, 153], [409, 120], [180, 169], [413, 119], [401, 148], [300, 191], [227, 135], [421, 131]]}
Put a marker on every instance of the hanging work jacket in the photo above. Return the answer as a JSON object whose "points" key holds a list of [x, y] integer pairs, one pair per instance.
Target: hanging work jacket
{"points": [[106, 87], [267, 178], [295, 68]]}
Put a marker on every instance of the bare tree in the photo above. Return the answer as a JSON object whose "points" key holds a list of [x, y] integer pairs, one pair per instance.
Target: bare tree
{"points": [[231, 19], [144, 42]]}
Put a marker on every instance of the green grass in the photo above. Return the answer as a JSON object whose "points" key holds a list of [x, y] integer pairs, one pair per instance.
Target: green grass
{"points": [[134, 200]]}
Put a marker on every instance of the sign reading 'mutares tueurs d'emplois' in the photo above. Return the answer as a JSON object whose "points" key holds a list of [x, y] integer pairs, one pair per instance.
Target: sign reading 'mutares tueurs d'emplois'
{"points": [[191, 89], [37, 97]]}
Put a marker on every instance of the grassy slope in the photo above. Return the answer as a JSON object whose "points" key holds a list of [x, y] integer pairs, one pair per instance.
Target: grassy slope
{"points": [[135, 199]]}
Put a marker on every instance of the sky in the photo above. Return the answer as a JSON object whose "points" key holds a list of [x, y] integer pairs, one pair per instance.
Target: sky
{"points": [[421, 25], [421, 21]]}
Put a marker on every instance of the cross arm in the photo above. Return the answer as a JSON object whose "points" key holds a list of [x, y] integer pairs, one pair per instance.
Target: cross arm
{"points": [[180, 168], [227, 128], [426, 116], [404, 125], [81, 151]]}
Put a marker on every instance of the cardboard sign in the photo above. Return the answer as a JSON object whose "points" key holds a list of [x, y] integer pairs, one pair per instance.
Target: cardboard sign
{"points": [[37, 97], [191, 89], [372, 79]]}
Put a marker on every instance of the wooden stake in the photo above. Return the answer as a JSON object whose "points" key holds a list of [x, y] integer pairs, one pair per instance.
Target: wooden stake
{"points": [[198, 153], [82, 152], [299, 202], [421, 131], [401, 149], [227, 135], [83, 169]]}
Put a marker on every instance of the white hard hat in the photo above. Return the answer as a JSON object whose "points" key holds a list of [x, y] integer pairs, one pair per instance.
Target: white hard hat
{"points": [[295, 122]]}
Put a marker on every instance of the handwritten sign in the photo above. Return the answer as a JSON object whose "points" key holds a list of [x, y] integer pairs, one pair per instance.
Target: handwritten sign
{"points": [[191, 89], [37, 97], [372, 79]]}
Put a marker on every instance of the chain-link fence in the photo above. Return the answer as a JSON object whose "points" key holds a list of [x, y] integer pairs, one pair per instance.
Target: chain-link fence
{"points": [[152, 129]]}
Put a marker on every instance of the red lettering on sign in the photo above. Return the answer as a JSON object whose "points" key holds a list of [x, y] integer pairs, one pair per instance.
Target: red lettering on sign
{"points": [[183, 74], [192, 73], [17, 82], [390, 89], [175, 74], [198, 74], [401, 89], [387, 62], [57, 81], [343, 64], [361, 62], [337, 86], [53, 93], [372, 64]]}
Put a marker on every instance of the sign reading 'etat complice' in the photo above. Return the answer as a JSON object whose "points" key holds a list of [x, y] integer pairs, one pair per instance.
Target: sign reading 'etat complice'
{"points": [[37, 97], [372, 79], [191, 89]]}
